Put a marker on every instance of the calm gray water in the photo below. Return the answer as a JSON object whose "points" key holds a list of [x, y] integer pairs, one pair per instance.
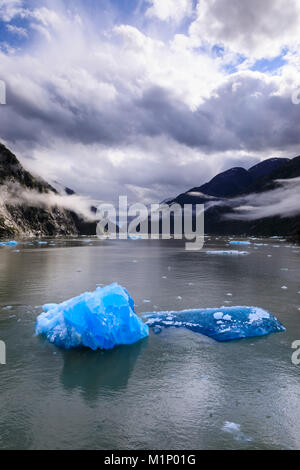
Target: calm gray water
{"points": [[175, 390]]}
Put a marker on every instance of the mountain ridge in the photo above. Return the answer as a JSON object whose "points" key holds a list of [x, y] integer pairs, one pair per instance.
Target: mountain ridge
{"points": [[20, 220], [216, 217], [232, 182]]}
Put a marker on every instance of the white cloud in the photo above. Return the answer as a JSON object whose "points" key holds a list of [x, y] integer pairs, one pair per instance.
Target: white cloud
{"points": [[255, 28], [22, 32], [170, 10], [282, 201], [10, 8], [189, 76], [14, 194]]}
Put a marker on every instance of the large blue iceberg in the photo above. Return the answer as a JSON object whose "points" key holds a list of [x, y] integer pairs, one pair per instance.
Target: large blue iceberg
{"points": [[101, 319], [223, 324]]}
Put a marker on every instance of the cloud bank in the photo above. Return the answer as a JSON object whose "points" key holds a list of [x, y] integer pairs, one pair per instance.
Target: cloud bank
{"points": [[151, 108], [14, 194], [281, 202]]}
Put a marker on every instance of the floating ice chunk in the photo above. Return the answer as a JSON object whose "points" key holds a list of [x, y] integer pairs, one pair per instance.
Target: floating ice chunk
{"points": [[11, 243], [157, 330], [227, 252], [99, 320], [235, 430], [231, 427], [238, 242], [238, 322]]}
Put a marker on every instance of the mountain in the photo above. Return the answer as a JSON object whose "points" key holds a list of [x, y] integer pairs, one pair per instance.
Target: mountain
{"points": [[226, 183], [266, 167], [231, 182], [17, 219], [240, 182]]}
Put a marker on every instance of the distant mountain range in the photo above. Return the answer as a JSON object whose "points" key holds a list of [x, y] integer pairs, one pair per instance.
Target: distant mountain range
{"points": [[232, 182], [238, 182], [30, 219]]}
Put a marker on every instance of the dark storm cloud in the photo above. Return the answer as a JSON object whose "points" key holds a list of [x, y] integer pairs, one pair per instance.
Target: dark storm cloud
{"points": [[244, 114]]}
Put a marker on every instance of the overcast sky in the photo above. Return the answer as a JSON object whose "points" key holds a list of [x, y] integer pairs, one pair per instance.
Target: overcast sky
{"points": [[148, 98]]}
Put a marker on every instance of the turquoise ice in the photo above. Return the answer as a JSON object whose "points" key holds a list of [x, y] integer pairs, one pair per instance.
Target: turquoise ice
{"points": [[101, 319], [237, 242], [227, 252], [222, 324], [11, 243]]}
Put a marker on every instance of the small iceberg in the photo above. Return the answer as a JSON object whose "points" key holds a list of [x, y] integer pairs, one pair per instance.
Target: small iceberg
{"points": [[235, 430], [227, 252], [223, 324], [135, 237], [101, 319], [237, 242], [11, 243]]}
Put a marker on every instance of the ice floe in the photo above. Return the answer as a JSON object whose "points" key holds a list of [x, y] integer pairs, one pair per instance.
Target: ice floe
{"points": [[222, 324]]}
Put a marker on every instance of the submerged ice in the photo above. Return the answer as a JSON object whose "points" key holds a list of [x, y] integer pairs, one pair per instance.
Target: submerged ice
{"points": [[222, 324], [101, 319]]}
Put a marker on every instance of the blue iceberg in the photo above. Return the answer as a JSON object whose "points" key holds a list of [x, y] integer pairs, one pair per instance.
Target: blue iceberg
{"points": [[101, 319], [237, 242], [11, 243], [223, 324]]}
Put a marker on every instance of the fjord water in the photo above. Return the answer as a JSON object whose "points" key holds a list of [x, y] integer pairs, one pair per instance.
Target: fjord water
{"points": [[176, 390]]}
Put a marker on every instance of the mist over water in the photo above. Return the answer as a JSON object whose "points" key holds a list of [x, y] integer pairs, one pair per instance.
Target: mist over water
{"points": [[176, 390]]}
